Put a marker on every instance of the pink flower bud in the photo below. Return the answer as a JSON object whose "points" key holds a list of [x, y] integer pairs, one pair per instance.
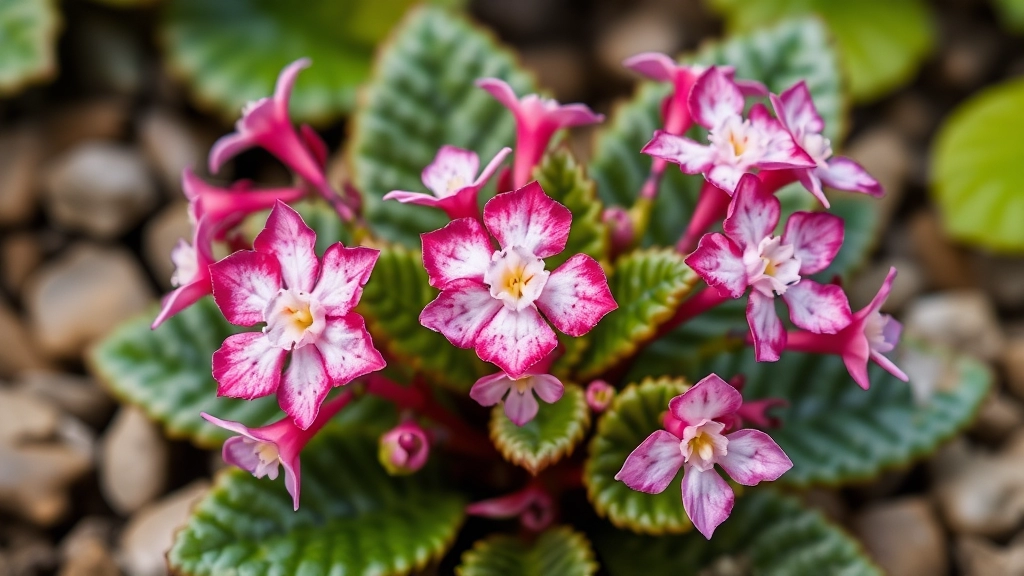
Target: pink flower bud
{"points": [[600, 395], [404, 449], [620, 228]]}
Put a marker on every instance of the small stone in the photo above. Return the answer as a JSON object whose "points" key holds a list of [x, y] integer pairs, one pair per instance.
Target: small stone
{"points": [[21, 254], [81, 397], [946, 265], [161, 235], [998, 416], [1013, 364], [904, 537], [170, 146], [83, 121], [1002, 277], [26, 417], [101, 188], [829, 501], [644, 30], [150, 532], [134, 461], [962, 320], [885, 154], [968, 58], [17, 350], [86, 550], [21, 150], [979, 557], [78, 298], [913, 114], [28, 552], [982, 494], [909, 283], [560, 68]]}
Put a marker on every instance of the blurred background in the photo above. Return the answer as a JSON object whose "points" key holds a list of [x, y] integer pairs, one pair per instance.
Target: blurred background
{"points": [[105, 102]]}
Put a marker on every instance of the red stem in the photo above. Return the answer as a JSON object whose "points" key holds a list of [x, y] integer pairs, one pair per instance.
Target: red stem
{"points": [[712, 206]]}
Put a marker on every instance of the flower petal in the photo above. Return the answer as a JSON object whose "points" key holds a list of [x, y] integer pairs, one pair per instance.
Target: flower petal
{"points": [[285, 82], [855, 357], [710, 399], [292, 479], [652, 465], [548, 388], [227, 147], [812, 183], [883, 293], [181, 298], [720, 263], [237, 452], [845, 174], [795, 109], [753, 457], [889, 366], [230, 426], [819, 308], [461, 311], [753, 214], [707, 499], [529, 218], [490, 389], [515, 341], [520, 406], [653, 65], [452, 165], [780, 150], [501, 91], [816, 238], [692, 158], [725, 176], [491, 167], [460, 250], [287, 238], [715, 98], [406, 197], [765, 327], [576, 296], [342, 277], [347, 349], [247, 366], [569, 115], [304, 386], [243, 284]]}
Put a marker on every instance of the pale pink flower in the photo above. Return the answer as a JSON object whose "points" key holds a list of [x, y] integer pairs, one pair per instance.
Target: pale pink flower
{"points": [[452, 178], [492, 300], [600, 395], [307, 312], [520, 404], [537, 120], [747, 456], [404, 449], [749, 254]]}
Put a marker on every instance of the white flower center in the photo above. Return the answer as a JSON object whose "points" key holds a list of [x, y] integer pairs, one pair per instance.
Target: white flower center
{"points": [[268, 456], [875, 327], [772, 266], [185, 265], [516, 277], [704, 444], [294, 319], [817, 146], [737, 143], [454, 184]]}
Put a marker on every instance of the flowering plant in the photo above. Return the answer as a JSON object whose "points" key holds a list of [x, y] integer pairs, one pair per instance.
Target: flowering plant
{"points": [[437, 340]]}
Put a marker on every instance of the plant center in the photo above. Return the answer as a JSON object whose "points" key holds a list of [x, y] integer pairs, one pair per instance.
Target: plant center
{"points": [[516, 277]]}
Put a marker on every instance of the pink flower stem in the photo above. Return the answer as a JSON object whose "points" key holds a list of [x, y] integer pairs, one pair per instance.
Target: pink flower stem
{"points": [[463, 438], [804, 341], [653, 182], [692, 307], [328, 411], [774, 180], [712, 206]]}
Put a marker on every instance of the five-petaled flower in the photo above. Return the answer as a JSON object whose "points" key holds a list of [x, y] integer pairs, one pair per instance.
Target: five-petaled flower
{"points": [[520, 405], [265, 123], [696, 445], [260, 451], [453, 180], [492, 300], [750, 255], [537, 120], [795, 109], [736, 145], [870, 336], [307, 309]]}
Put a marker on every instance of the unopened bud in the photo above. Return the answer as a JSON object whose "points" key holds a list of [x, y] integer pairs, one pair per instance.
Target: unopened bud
{"points": [[620, 228], [599, 395], [404, 449]]}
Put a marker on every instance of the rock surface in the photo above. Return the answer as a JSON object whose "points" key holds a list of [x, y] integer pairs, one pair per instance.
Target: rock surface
{"points": [[134, 460], [21, 152], [161, 235], [904, 537], [17, 350], [150, 532], [170, 145], [962, 320]]}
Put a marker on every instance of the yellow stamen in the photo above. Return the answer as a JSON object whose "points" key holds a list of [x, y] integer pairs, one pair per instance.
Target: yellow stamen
{"points": [[267, 452], [303, 317], [702, 446], [769, 268]]}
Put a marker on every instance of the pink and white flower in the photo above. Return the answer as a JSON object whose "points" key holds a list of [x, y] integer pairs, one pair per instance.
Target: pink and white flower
{"points": [[600, 395], [307, 311], [869, 337], [225, 208], [261, 451], [404, 449], [453, 180], [537, 120], [265, 123], [750, 255], [520, 404], [736, 145], [747, 456], [795, 109], [191, 277], [492, 300]]}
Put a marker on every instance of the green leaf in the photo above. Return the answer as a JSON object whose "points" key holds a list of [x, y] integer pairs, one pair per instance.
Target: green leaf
{"points": [[779, 57], [648, 286], [633, 415], [836, 433], [976, 170], [881, 42], [862, 232], [564, 180], [421, 97], [353, 519], [552, 435], [767, 534], [167, 373], [392, 301], [231, 51], [28, 43], [1011, 13], [557, 550]]}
